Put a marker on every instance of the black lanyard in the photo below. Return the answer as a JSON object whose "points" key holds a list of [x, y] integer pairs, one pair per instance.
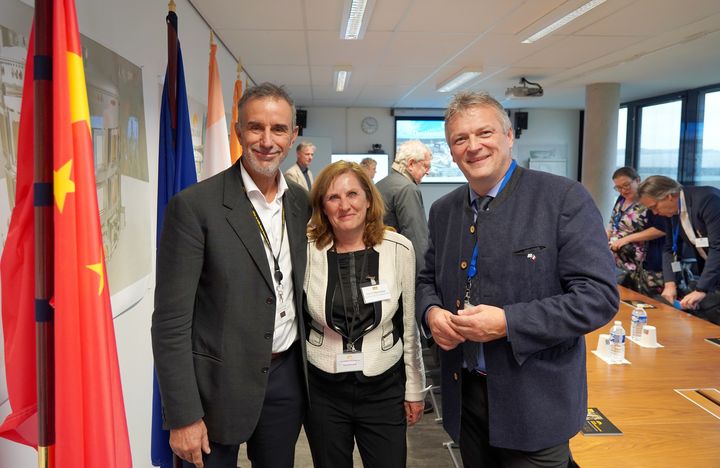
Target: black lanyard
{"points": [[350, 322], [278, 274]]}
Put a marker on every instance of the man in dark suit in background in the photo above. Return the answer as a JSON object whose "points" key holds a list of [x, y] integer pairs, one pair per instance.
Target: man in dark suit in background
{"points": [[227, 342], [404, 209], [516, 273], [694, 214]]}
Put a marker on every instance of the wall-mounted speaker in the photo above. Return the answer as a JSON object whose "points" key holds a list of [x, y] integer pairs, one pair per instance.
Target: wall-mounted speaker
{"points": [[521, 120], [301, 118]]}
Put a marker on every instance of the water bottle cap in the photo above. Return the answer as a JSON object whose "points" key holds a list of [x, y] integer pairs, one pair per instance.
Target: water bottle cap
{"points": [[618, 322]]}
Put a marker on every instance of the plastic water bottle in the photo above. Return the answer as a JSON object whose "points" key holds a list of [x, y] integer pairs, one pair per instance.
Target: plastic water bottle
{"points": [[617, 343], [638, 321]]}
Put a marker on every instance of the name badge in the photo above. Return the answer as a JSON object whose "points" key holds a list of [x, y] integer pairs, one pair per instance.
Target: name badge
{"points": [[349, 362], [702, 242], [676, 267], [283, 314], [375, 293]]}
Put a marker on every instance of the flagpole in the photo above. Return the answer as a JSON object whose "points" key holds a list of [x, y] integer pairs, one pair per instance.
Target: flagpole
{"points": [[44, 225], [172, 61], [172, 40]]}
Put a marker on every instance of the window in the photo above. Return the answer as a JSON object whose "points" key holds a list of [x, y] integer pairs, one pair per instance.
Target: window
{"points": [[707, 167], [621, 137], [659, 151]]}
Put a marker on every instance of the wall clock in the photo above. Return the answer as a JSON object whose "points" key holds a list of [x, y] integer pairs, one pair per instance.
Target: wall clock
{"points": [[369, 125]]}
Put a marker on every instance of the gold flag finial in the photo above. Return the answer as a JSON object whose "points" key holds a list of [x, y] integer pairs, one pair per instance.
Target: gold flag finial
{"points": [[212, 38], [239, 69], [171, 5]]}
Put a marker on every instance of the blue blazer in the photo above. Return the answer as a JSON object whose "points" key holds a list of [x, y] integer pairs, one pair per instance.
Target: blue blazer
{"points": [[544, 258], [703, 204]]}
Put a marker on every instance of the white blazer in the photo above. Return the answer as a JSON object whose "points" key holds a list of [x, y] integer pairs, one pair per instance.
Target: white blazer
{"points": [[397, 271]]}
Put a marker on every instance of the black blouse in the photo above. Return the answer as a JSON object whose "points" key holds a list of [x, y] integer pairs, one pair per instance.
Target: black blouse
{"points": [[345, 309]]}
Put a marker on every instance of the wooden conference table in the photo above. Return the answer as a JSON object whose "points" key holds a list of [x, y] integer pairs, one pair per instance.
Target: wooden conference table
{"points": [[661, 428]]}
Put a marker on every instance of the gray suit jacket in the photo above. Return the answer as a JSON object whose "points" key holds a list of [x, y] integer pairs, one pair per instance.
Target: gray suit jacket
{"points": [[544, 259], [214, 316], [295, 174], [405, 212]]}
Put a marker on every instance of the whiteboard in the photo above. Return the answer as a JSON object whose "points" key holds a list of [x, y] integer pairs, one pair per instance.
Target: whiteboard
{"points": [[553, 166]]}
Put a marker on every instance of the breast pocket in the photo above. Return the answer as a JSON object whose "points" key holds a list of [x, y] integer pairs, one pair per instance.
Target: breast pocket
{"points": [[530, 267]]}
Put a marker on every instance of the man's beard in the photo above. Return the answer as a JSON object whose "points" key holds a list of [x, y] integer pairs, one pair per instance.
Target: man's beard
{"points": [[264, 169]]}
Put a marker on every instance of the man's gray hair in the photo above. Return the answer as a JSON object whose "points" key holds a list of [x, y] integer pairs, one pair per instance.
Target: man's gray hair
{"points": [[368, 162], [414, 150], [465, 100], [305, 144], [658, 187], [267, 90]]}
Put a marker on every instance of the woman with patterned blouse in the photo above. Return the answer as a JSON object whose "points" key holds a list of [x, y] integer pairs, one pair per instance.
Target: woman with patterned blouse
{"points": [[636, 236]]}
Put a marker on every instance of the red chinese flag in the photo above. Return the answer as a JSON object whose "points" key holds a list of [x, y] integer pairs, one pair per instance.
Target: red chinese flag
{"points": [[17, 273], [90, 425]]}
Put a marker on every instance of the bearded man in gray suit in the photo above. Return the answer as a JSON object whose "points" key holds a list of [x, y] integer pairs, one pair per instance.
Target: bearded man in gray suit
{"points": [[227, 341]]}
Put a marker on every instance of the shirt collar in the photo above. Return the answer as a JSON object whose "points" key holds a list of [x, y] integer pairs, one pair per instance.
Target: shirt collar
{"points": [[492, 192], [251, 187]]}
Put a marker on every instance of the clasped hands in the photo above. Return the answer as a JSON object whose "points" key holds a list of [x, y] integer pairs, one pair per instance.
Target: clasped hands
{"points": [[481, 323]]}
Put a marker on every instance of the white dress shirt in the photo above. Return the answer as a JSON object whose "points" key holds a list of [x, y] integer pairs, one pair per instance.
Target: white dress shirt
{"points": [[270, 214]]}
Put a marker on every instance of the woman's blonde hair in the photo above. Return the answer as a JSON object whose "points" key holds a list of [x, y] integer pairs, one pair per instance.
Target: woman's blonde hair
{"points": [[320, 230]]}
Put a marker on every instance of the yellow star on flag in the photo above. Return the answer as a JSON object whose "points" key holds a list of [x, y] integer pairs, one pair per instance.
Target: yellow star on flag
{"points": [[98, 268], [62, 185]]}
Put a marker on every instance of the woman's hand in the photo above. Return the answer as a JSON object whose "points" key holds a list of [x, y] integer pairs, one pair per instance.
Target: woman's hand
{"points": [[617, 244], [414, 411]]}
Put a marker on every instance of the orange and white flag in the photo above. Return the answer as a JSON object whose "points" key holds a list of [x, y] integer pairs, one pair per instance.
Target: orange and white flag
{"points": [[235, 147], [216, 157]]}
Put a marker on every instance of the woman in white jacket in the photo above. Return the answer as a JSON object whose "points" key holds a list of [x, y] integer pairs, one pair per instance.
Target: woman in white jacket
{"points": [[365, 371]]}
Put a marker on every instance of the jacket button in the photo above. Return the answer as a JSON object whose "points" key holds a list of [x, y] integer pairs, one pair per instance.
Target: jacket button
{"points": [[269, 300], [457, 303], [463, 265], [472, 229], [456, 376], [268, 336], [266, 369]]}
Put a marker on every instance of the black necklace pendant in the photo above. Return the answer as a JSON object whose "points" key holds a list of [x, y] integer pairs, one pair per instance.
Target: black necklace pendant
{"points": [[278, 276]]}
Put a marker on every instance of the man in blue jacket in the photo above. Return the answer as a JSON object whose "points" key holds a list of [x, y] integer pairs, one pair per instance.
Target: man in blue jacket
{"points": [[516, 273], [694, 214]]}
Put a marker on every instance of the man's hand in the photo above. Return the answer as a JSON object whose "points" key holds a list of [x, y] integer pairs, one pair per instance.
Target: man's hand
{"points": [[414, 411], [669, 292], [692, 300], [187, 442], [439, 321], [481, 323]]}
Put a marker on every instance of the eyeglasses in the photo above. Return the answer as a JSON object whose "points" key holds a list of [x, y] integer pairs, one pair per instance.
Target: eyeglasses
{"points": [[625, 186]]}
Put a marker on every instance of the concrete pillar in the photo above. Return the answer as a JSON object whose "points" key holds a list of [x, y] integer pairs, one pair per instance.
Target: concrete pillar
{"points": [[602, 101]]}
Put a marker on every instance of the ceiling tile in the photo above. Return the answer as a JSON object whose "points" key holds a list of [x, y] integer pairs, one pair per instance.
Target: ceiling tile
{"points": [[267, 47]]}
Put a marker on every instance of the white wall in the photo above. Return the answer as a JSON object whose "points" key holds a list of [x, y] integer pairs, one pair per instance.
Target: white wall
{"points": [[136, 30]]}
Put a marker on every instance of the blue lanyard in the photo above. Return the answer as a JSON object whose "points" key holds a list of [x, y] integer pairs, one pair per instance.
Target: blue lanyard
{"points": [[676, 231], [472, 269], [618, 217]]}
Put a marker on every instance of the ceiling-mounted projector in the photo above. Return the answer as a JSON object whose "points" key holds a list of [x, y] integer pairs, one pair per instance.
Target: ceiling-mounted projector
{"points": [[526, 89]]}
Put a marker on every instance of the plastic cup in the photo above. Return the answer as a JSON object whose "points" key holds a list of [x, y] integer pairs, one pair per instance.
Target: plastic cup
{"points": [[603, 346], [649, 336]]}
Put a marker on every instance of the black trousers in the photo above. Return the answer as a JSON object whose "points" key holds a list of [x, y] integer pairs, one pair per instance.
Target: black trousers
{"points": [[344, 409], [272, 444], [475, 447]]}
